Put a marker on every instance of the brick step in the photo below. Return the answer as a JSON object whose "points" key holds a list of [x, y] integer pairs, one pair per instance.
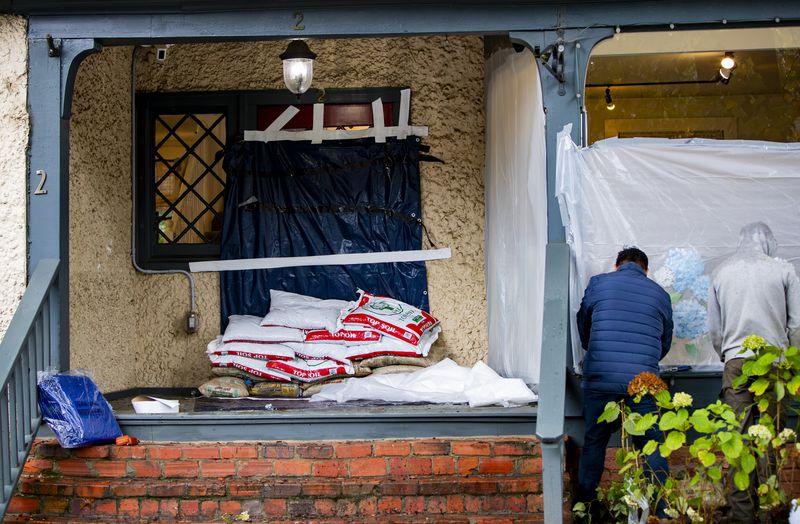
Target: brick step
{"points": [[408, 480]]}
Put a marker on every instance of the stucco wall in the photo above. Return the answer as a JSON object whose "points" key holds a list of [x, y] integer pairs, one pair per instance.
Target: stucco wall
{"points": [[127, 327], [13, 165]]}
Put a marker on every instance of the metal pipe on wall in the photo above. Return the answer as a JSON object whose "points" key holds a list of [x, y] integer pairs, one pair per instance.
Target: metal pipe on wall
{"points": [[192, 319]]}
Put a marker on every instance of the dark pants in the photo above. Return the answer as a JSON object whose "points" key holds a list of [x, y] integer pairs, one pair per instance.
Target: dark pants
{"points": [[596, 439], [741, 400]]}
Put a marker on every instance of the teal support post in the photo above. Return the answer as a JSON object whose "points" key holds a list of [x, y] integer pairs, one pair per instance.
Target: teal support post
{"points": [[52, 66], [563, 56]]}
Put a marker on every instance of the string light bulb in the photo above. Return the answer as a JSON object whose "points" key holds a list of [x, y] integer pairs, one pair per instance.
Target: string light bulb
{"points": [[609, 101], [728, 61]]}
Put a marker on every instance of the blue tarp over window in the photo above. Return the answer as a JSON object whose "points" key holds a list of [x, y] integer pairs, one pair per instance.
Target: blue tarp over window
{"points": [[286, 199]]}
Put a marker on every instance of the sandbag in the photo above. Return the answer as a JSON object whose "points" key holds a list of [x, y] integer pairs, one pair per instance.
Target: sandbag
{"points": [[391, 370], [302, 312], [276, 390], [349, 337], [389, 317], [230, 387], [436, 355], [233, 372], [250, 365], [247, 328], [315, 387], [261, 351], [306, 370]]}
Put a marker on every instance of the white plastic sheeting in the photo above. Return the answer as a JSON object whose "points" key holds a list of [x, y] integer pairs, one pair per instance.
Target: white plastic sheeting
{"points": [[681, 201], [443, 383], [516, 213]]}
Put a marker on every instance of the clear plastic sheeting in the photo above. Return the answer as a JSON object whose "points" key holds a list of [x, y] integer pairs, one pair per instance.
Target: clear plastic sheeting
{"points": [[681, 201], [442, 383], [516, 213]]}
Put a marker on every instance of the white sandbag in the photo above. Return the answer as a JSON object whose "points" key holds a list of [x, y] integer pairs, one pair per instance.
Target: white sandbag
{"points": [[392, 346], [247, 328], [445, 382], [318, 351], [348, 337], [251, 366], [260, 351], [388, 317], [310, 370], [302, 312]]}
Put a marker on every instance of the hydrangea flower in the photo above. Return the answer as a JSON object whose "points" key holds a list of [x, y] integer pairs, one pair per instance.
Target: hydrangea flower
{"points": [[759, 431], [686, 266], [664, 277], [644, 383], [700, 287], [787, 435], [754, 343], [682, 400], [690, 318]]}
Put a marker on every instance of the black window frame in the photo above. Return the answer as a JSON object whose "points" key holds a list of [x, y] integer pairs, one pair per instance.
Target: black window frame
{"points": [[241, 113]]}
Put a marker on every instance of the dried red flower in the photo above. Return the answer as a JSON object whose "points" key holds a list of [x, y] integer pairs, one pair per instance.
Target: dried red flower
{"points": [[644, 383]]}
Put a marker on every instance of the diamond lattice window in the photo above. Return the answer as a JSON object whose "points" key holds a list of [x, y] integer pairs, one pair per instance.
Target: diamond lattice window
{"points": [[189, 179]]}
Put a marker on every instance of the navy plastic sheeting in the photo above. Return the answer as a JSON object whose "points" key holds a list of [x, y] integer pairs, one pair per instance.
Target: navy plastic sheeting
{"points": [[76, 411], [286, 199]]}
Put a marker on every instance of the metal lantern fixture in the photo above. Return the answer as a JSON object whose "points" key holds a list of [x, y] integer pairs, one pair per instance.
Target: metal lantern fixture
{"points": [[298, 67]]}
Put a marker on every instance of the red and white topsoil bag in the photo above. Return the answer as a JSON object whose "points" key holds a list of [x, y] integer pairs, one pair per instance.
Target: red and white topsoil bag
{"points": [[347, 337], [388, 317]]}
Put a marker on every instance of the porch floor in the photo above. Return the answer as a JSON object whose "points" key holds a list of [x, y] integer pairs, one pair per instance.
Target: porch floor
{"points": [[297, 419]]}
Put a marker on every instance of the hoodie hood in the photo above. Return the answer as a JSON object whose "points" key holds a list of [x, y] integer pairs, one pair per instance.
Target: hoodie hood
{"points": [[756, 238]]}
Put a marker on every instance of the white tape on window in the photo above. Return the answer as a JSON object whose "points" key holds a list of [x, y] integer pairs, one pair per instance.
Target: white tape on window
{"points": [[379, 131], [382, 257]]}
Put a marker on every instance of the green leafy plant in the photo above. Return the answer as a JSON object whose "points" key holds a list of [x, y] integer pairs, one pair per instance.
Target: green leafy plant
{"points": [[722, 450]]}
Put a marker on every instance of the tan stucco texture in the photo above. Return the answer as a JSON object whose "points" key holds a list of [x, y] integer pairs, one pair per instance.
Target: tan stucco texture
{"points": [[13, 164], [127, 328]]}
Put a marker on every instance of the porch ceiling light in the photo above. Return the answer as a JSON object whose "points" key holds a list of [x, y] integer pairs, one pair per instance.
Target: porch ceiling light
{"points": [[298, 67], [610, 105]]}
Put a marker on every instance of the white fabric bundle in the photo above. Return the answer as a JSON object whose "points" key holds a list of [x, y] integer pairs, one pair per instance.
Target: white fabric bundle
{"points": [[445, 382]]}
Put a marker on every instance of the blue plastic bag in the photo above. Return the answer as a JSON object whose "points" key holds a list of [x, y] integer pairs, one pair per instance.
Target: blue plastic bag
{"points": [[75, 410]]}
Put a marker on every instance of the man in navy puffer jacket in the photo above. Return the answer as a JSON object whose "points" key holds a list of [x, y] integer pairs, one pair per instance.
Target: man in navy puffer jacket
{"points": [[625, 326]]}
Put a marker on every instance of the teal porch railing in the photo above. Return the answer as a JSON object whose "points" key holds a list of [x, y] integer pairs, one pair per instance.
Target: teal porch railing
{"points": [[30, 345]]}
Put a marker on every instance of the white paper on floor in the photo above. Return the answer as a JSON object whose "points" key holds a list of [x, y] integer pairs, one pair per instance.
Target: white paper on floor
{"points": [[445, 382]]}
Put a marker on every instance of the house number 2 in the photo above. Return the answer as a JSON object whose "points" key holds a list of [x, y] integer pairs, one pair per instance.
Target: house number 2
{"points": [[40, 190], [298, 21]]}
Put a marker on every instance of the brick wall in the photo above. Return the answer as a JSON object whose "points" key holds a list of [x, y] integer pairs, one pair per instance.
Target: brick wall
{"points": [[434, 480]]}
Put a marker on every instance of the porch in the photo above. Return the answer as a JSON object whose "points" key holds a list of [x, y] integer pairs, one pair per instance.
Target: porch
{"points": [[471, 464]]}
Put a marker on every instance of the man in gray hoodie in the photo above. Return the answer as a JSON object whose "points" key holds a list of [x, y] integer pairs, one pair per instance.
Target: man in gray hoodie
{"points": [[752, 293]]}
